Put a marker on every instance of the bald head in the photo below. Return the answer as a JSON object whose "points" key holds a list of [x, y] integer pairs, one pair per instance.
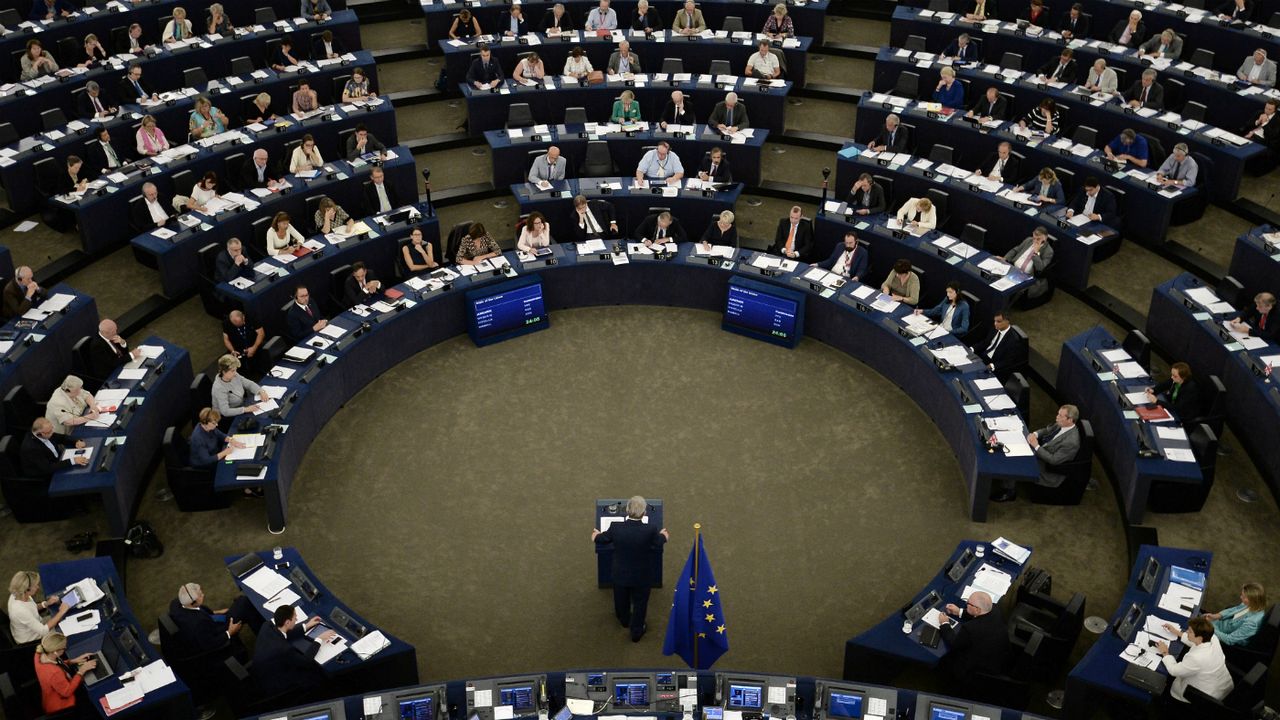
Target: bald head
{"points": [[23, 274], [107, 328], [979, 604]]}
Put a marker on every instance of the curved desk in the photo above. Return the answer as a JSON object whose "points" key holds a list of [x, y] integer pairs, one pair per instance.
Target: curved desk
{"points": [[40, 356], [313, 392], [488, 110], [168, 702], [1187, 330], [1095, 682], [809, 18], [511, 154], [697, 53], [156, 401], [164, 69], [18, 179], [394, 665], [178, 260], [1255, 262], [1008, 221], [631, 206], [104, 219], [1091, 374], [378, 250], [1226, 162]]}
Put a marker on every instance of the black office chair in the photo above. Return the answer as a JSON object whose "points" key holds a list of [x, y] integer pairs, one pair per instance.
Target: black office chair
{"points": [[915, 43], [671, 66], [1192, 208], [597, 162], [519, 115], [81, 361], [247, 697], [20, 410], [28, 497], [907, 85], [940, 5], [8, 135], [269, 51], [720, 67], [1155, 150], [1244, 702], [1068, 180], [456, 234], [231, 167], [53, 119], [194, 77], [337, 287], [209, 299], [886, 183], [336, 86], [1017, 388], [910, 143], [1175, 93], [732, 24], [10, 18], [1194, 111], [941, 200], [242, 65], [69, 49], [1084, 135], [1138, 346], [203, 673], [201, 394], [575, 116], [308, 219], [1201, 57], [272, 350], [1077, 472], [1229, 290], [192, 487], [264, 16], [1059, 624], [942, 154], [1011, 60], [974, 235]]}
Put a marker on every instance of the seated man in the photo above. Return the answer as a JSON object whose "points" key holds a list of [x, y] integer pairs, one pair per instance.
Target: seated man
{"points": [[660, 228], [848, 260], [1262, 320], [1261, 130], [1129, 32], [93, 104], [108, 351], [1128, 147], [1074, 24], [361, 286], [794, 236], [1033, 254], [902, 283], [1101, 79], [1061, 68], [152, 212], [1056, 444], [715, 167], [729, 116], [1165, 45], [689, 21], [679, 111], [42, 449], [243, 339], [892, 138], [1004, 351], [362, 142], [278, 665], [104, 156], [259, 172], [593, 219], [548, 167], [232, 263], [302, 318], [980, 643], [1179, 169], [1235, 11], [70, 405], [21, 293], [1146, 92], [1001, 164], [866, 197], [484, 73], [379, 195], [660, 165], [202, 630], [991, 106], [133, 88], [961, 49], [602, 17], [763, 64], [1258, 70], [1179, 393], [1094, 202], [623, 61]]}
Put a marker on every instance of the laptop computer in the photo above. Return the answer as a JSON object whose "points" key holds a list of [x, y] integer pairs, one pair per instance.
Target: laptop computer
{"points": [[245, 565], [102, 647]]}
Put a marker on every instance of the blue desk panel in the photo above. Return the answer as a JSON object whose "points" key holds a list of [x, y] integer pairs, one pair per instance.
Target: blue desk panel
{"points": [[630, 206], [1256, 264], [41, 365]]}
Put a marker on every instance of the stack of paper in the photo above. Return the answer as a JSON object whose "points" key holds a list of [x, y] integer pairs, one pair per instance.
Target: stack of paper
{"points": [[989, 580], [1011, 550], [370, 645], [1180, 600], [589, 247], [266, 582]]}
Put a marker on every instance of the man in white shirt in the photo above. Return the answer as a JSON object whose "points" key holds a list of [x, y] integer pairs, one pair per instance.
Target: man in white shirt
{"points": [[602, 18], [591, 219], [764, 64], [1203, 666], [1258, 70], [151, 212]]}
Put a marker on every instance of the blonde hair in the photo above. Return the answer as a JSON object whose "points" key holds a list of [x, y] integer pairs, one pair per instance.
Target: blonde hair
{"points": [[52, 644], [227, 362], [1048, 175], [780, 9], [179, 13], [727, 216], [1254, 595], [627, 96], [947, 72], [925, 204], [23, 581], [209, 415]]}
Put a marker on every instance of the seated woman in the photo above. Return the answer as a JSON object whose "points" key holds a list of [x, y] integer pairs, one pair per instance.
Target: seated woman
{"points": [[316, 9], [231, 389], [283, 58], [535, 234], [71, 182], [982, 9], [625, 108], [59, 676], [35, 62], [282, 239], [918, 213], [418, 255], [210, 446], [1046, 188], [304, 98], [464, 26], [577, 65], [1239, 623], [94, 53], [721, 232], [357, 88], [306, 156], [1179, 393], [1203, 666], [178, 28], [150, 139], [259, 111], [204, 191], [25, 623], [330, 217], [530, 69], [206, 120], [1043, 118], [477, 246], [361, 286], [70, 405], [219, 23], [952, 314], [949, 92], [779, 25]]}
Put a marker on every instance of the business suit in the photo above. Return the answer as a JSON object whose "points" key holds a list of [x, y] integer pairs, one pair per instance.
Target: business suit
{"points": [[968, 53], [978, 645], [872, 200], [484, 72], [1009, 354], [249, 174], [129, 92], [141, 218], [1185, 403], [1173, 51], [1104, 205], [1264, 326], [226, 270], [37, 461], [372, 203], [987, 108], [97, 158], [723, 173], [16, 301], [737, 117], [549, 22], [601, 212], [543, 170], [522, 24], [616, 58], [1058, 445], [371, 145], [713, 236], [1135, 38], [635, 543], [198, 630], [1078, 27], [683, 116], [649, 21], [857, 264], [84, 104], [803, 242], [1039, 261], [684, 22], [1106, 82], [1237, 14], [649, 228], [353, 294], [104, 357], [894, 142], [1056, 70], [278, 666], [1203, 667], [299, 322], [1267, 76], [959, 318], [1009, 172]]}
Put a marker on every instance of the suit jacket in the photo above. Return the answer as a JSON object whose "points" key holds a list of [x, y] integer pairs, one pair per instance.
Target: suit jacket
{"points": [[372, 144], [16, 302], [1104, 206], [504, 26], [352, 294], [682, 21], [899, 140], [1203, 667], [97, 160], [1187, 405], [687, 117], [634, 545], [298, 323], [804, 237], [483, 72], [198, 631], [1057, 446], [1270, 332], [1268, 76], [249, 174], [616, 58], [860, 259], [1106, 82], [549, 20], [653, 19], [1069, 74], [602, 211], [1010, 172], [278, 666], [104, 357], [37, 462], [959, 318], [724, 173], [226, 270], [874, 199], [968, 54], [84, 105], [1038, 262], [128, 94], [140, 216], [985, 108], [721, 113], [371, 197], [1174, 50], [649, 227], [1007, 357], [1135, 39], [978, 644], [1079, 28], [1229, 8]]}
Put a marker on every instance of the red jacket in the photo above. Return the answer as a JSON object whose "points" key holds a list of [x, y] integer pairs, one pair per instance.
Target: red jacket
{"points": [[57, 691]]}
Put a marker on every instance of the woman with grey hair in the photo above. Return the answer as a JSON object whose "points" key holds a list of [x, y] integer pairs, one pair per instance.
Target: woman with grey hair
{"points": [[70, 405], [25, 622], [231, 389]]}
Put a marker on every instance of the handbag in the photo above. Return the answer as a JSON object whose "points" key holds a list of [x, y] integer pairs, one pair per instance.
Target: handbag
{"points": [[595, 77]]}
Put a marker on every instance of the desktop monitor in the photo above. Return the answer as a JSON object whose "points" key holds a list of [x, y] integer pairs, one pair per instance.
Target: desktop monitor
{"points": [[332, 710], [416, 708], [631, 693], [764, 312], [520, 696], [742, 695], [506, 310], [941, 711], [1150, 574], [844, 703]]}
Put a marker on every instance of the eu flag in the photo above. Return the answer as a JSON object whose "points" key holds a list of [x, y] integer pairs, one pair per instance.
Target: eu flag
{"points": [[697, 631]]}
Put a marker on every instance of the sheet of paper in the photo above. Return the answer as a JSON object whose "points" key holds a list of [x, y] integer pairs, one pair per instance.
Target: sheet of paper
{"points": [[777, 695], [266, 582], [373, 705], [331, 650], [285, 597], [127, 694], [504, 712], [155, 676], [483, 699]]}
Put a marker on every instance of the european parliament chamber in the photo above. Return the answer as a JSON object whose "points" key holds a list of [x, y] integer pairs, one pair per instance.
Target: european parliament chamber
{"points": [[945, 328]]}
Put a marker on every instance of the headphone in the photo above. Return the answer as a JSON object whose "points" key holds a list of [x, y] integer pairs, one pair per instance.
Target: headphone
{"points": [[187, 593]]}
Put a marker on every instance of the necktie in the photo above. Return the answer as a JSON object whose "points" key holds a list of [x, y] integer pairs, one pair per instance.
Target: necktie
{"points": [[1058, 71], [728, 117], [137, 87], [112, 160], [791, 239], [1176, 388], [848, 261], [661, 232], [1145, 90], [1177, 170], [590, 222], [994, 342], [97, 105], [891, 134], [308, 309], [713, 169], [384, 202], [1262, 321]]}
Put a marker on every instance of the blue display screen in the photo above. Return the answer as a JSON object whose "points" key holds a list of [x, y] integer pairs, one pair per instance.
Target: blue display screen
{"points": [[666, 678], [507, 311], [845, 705], [764, 313], [748, 697], [595, 679], [938, 712], [519, 697], [631, 694], [416, 709]]}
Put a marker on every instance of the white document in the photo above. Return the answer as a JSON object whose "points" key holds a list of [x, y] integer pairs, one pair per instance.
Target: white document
{"points": [[988, 383], [1130, 370], [285, 597], [373, 705], [80, 622], [370, 645], [591, 247], [129, 693], [1171, 433], [484, 699], [330, 650], [1155, 626], [504, 712], [777, 695], [266, 582], [999, 402], [154, 676]]}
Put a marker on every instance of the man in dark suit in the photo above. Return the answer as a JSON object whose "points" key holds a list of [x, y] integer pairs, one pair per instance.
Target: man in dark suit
{"points": [[149, 211], [635, 544], [132, 87], [1262, 320], [232, 263], [980, 643], [679, 111], [201, 630], [93, 103], [1146, 92], [992, 105], [379, 195], [1062, 68], [892, 138], [259, 172], [715, 167], [1094, 201], [1075, 24], [278, 664], [484, 73], [1130, 31], [132, 41], [21, 294], [108, 351], [303, 318], [1001, 164], [362, 142], [1004, 351], [593, 219], [1179, 393], [794, 236], [962, 49], [848, 260], [42, 448], [866, 197], [660, 228], [104, 155], [729, 116], [557, 19]]}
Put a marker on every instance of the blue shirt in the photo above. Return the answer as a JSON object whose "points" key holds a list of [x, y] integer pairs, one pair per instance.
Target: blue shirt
{"points": [[651, 167], [1231, 630], [952, 98], [205, 446], [1138, 149]]}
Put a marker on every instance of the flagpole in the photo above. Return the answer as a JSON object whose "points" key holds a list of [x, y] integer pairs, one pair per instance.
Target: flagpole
{"points": [[697, 542]]}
